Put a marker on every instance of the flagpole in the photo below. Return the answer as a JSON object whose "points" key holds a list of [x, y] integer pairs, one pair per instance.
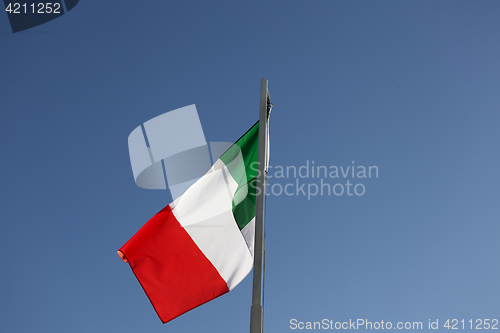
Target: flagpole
{"points": [[257, 310]]}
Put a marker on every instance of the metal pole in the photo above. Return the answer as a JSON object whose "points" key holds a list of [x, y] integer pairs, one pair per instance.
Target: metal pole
{"points": [[257, 311]]}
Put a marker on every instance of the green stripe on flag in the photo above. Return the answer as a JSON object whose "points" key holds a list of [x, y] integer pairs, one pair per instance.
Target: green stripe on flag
{"points": [[244, 211], [244, 174]]}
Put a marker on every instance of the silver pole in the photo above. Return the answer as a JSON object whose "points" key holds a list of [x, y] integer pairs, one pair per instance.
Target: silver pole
{"points": [[257, 310]]}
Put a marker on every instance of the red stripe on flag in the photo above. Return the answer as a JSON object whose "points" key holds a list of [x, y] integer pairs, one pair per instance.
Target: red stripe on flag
{"points": [[172, 270]]}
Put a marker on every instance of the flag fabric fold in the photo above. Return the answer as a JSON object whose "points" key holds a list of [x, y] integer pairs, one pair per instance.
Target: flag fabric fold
{"points": [[201, 245]]}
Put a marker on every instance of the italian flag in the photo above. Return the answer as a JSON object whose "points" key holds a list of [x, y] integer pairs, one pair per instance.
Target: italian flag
{"points": [[201, 245]]}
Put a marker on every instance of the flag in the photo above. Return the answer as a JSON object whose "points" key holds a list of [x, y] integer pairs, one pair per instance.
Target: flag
{"points": [[201, 245]]}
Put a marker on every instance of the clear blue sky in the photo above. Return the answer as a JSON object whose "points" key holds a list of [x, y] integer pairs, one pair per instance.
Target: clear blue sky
{"points": [[411, 87]]}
